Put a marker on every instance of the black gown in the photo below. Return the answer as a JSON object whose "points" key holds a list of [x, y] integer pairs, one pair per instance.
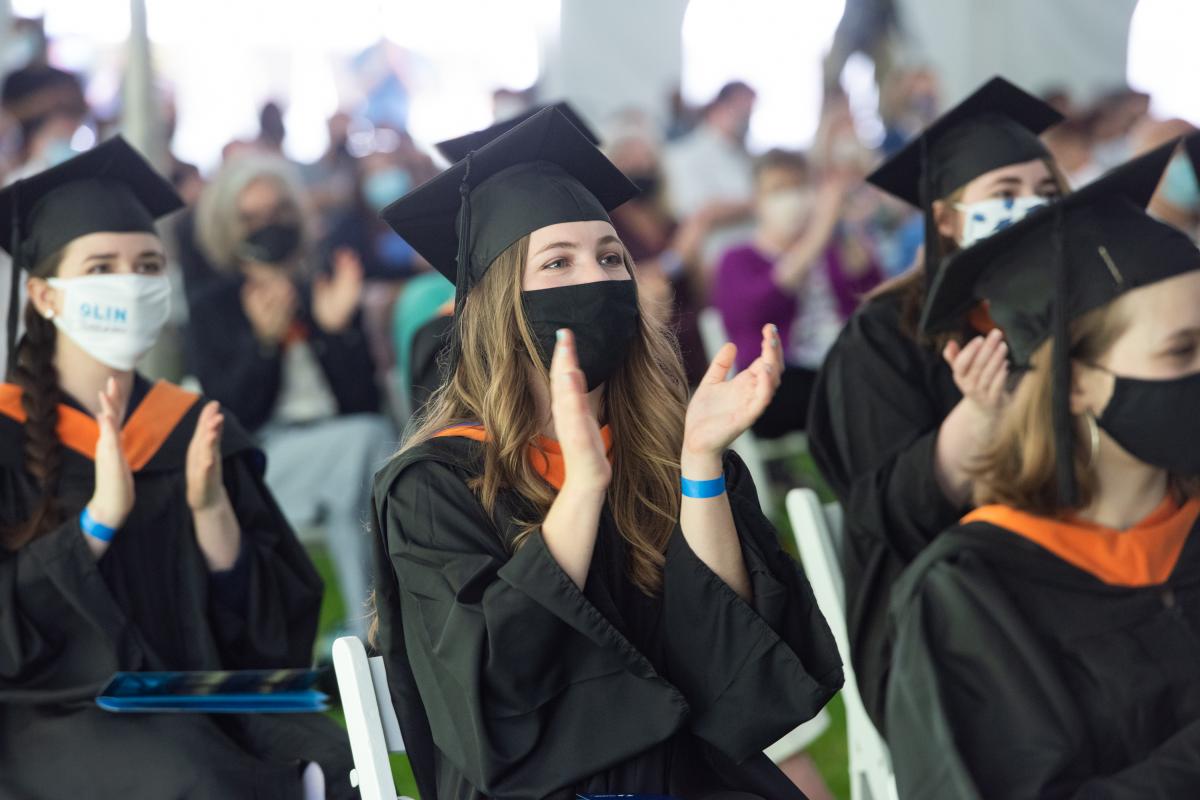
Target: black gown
{"points": [[68, 622], [879, 401], [511, 683], [1019, 675]]}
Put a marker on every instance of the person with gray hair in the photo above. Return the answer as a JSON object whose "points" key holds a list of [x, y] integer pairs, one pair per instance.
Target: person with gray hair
{"points": [[278, 337]]}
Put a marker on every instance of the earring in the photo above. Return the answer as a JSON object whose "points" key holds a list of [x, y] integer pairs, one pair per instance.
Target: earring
{"points": [[48, 313], [1093, 436]]}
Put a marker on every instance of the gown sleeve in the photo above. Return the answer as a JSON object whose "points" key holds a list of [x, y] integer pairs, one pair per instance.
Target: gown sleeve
{"points": [[264, 611], [751, 671], [53, 600], [873, 432], [526, 686], [977, 707]]}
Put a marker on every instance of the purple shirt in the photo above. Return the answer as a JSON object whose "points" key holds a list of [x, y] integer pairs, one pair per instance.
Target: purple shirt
{"points": [[747, 298]]}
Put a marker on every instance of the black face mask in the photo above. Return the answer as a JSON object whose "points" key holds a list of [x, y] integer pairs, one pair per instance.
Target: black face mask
{"points": [[271, 244], [1157, 421], [603, 316]]}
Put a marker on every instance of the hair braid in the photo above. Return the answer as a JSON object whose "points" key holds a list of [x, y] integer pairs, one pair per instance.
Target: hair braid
{"points": [[34, 371]]}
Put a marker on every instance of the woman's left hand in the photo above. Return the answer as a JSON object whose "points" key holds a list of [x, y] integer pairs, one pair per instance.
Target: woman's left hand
{"points": [[205, 486], [721, 408]]}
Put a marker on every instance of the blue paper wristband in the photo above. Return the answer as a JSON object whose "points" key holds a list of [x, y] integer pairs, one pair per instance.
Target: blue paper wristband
{"points": [[96, 530], [702, 489]]}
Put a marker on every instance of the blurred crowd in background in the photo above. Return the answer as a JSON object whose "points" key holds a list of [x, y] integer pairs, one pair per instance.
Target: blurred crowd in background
{"points": [[292, 294]]}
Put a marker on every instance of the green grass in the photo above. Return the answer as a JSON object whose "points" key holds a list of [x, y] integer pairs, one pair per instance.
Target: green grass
{"points": [[829, 752]]}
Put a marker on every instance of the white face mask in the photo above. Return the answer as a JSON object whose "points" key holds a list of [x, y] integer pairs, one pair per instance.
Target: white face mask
{"points": [[986, 217], [787, 210], [114, 318]]}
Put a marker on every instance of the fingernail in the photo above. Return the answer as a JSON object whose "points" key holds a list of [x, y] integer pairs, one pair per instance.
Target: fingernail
{"points": [[774, 329], [560, 334]]}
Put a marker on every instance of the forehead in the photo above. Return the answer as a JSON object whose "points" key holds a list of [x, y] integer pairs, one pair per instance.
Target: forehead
{"points": [[1164, 308], [107, 243], [581, 233]]}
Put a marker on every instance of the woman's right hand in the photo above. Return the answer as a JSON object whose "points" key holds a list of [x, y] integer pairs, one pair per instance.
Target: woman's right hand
{"points": [[112, 498], [578, 432]]}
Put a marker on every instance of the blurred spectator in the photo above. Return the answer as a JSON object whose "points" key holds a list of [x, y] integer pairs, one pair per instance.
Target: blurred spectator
{"points": [[379, 178], [1116, 114], [1059, 98], [271, 131], [331, 179], [509, 103], [870, 27], [185, 177], [666, 253], [801, 273], [908, 102], [280, 343], [1177, 199], [49, 107], [1070, 142], [709, 171], [684, 116]]}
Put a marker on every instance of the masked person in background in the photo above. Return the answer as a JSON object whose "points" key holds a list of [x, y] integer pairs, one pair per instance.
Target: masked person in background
{"points": [[576, 588], [1046, 646], [282, 345], [896, 417], [136, 532], [797, 274]]}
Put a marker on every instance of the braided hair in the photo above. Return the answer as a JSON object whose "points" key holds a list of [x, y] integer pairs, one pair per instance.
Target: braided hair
{"points": [[33, 370]]}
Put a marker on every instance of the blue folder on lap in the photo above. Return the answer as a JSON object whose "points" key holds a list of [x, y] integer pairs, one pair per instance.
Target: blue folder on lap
{"points": [[281, 691]]}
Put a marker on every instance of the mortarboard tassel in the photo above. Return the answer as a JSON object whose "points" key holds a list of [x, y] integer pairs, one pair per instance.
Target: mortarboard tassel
{"points": [[462, 275], [1064, 433], [933, 247], [15, 279]]}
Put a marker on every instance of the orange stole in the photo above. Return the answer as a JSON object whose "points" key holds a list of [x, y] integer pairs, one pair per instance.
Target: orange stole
{"points": [[980, 319], [144, 432], [545, 454], [1144, 555]]}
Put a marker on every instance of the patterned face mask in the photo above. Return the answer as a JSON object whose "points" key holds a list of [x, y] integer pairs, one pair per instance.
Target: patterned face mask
{"points": [[986, 217]]}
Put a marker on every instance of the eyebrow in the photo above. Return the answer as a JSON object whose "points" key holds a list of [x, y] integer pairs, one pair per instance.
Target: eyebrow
{"points": [[1184, 333], [607, 239], [143, 254]]}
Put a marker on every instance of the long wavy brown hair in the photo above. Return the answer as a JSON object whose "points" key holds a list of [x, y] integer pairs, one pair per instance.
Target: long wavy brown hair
{"points": [[644, 402]]}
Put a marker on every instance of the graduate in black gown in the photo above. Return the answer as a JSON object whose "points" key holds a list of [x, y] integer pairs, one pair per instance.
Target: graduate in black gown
{"points": [[554, 617], [135, 529], [896, 416], [1047, 646]]}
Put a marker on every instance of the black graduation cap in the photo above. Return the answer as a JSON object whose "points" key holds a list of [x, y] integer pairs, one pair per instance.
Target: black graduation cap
{"points": [[456, 149], [996, 126], [110, 188], [1060, 262], [544, 171]]}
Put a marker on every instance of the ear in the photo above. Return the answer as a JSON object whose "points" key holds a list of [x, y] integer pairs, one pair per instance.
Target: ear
{"points": [[946, 219], [1091, 389], [45, 298]]}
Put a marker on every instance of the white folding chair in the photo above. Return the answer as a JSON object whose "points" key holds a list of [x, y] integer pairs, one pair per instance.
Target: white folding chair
{"points": [[754, 451], [818, 532], [370, 718]]}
